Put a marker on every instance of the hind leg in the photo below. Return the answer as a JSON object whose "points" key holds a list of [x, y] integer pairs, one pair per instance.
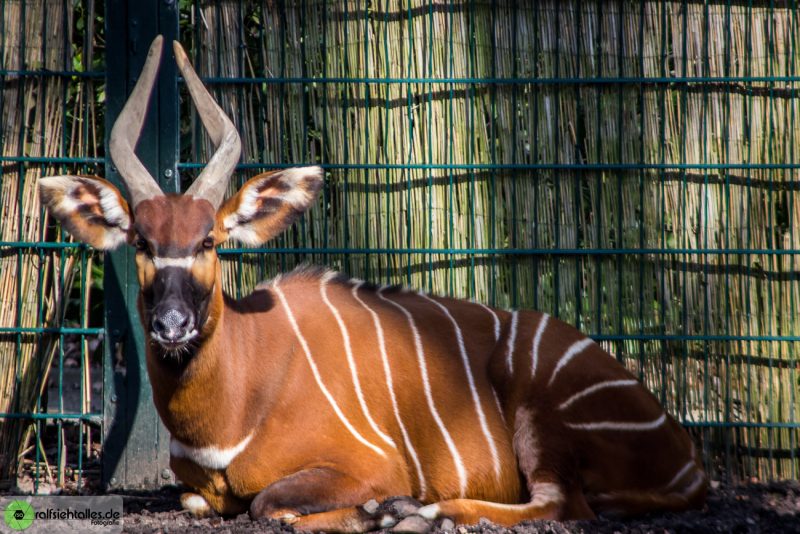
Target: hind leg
{"points": [[549, 500], [547, 468]]}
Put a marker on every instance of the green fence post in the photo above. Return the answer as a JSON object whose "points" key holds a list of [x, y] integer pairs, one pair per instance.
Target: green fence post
{"points": [[136, 446]]}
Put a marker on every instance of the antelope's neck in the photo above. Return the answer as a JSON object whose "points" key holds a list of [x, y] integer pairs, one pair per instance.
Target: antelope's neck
{"points": [[210, 400]]}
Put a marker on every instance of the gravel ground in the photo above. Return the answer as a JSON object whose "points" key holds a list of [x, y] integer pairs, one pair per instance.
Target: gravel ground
{"points": [[752, 509]]}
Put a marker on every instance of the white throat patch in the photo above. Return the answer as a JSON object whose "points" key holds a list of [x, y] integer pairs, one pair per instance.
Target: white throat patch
{"points": [[211, 457]]}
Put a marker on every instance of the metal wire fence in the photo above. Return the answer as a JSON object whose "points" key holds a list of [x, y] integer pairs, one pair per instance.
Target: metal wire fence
{"points": [[51, 79], [629, 167]]}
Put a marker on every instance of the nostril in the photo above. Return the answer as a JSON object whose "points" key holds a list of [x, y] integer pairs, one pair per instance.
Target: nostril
{"points": [[185, 322], [158, 325]]}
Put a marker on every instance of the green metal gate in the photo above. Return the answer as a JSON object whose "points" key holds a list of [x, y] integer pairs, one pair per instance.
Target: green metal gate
{"points": [[627, 166]]}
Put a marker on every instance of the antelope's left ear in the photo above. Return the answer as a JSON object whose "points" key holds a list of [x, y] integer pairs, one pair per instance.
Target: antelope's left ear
{"points": [[89, 208], [269, 203]]}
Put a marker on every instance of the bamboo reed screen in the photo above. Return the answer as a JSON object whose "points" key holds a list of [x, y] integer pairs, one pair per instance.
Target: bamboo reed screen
{"points": [[627, 166], [47, 127]]}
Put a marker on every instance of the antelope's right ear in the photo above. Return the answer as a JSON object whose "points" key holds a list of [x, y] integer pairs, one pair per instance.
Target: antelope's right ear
{"points": [[91, 209], [269, 203]]}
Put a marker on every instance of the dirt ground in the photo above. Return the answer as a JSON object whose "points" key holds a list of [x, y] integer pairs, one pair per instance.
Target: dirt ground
{"points": [[751, 509]]}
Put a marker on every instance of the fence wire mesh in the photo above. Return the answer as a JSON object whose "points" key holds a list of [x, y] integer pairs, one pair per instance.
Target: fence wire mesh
{"points": [[629, 167], [51, 99], [626, 166]]}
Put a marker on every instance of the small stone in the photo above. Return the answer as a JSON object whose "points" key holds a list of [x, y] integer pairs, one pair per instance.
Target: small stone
{"points": [[447, 524], [387, 521], [371, 506], [413, 524]]}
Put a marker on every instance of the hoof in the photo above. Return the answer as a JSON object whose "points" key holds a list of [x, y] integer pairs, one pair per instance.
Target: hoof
{"points": [[398, 514], [196, 505], [287, 518], [400, 507]]}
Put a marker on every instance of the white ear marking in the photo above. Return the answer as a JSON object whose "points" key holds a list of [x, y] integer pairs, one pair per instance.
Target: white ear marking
{"points": [[61, 195], [114, 214], [295, 188]]}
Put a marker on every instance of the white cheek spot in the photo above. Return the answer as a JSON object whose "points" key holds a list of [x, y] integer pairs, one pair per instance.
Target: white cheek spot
{"points": [[186, 262], [212, 457]]}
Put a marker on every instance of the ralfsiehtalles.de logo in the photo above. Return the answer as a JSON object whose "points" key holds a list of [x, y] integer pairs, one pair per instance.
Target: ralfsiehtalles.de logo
{"points": [[62, 514], [18, 515]]}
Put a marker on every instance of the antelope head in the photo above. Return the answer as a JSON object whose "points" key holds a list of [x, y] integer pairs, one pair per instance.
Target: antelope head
{"points": [[175, 236]]}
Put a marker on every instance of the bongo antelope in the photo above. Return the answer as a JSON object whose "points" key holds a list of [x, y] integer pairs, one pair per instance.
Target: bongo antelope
{"points": [[318, 393]]}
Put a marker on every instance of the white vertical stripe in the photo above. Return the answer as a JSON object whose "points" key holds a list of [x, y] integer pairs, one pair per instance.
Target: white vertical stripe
{"points": [[317, 377], [495, 318], [597, 387], [614, 425], [497, 403], [348, 349], [680, 474], [573, 350], [476, 400], [698, 480], [537, 339], [512, 338], [387, 371], [423, 369]]}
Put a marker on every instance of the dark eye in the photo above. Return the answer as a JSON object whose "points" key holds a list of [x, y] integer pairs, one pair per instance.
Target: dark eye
{"points": [[208, 243], [141, 245]]}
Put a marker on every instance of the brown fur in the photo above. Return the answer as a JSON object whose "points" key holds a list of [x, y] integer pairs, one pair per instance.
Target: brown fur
{"points": [[249, 375]]}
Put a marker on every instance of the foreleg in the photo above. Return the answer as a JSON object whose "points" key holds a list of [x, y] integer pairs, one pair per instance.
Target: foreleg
{"points": [[320, 499]]}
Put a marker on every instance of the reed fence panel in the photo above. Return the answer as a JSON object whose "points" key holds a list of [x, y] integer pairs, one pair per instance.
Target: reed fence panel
{"points": [[629, 167], [626, 166]]}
